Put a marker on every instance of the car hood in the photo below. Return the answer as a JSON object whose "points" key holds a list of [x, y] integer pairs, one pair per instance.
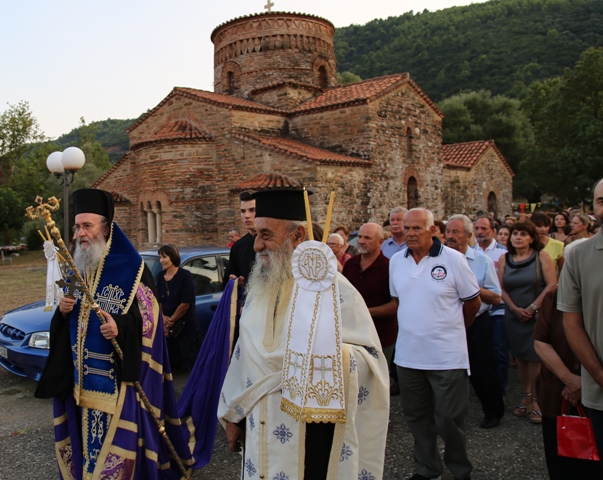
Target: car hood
{"points": [[29, 318]]}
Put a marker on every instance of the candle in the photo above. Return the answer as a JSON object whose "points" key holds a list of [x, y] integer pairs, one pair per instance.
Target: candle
{"points": [[329, 214], [308, 216]]}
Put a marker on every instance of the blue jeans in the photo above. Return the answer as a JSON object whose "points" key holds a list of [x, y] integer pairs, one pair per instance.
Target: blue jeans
{"points": [[501, 350]]}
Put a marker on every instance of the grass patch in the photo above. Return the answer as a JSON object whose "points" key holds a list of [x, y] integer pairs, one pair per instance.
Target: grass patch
{"points": [[22, 282]]}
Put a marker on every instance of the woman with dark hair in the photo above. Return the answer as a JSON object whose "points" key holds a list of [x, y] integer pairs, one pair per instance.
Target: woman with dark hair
{"points": [[177, 297], [502, 235], [560, 227], [526, 275], [551, 246], [440, 231]]}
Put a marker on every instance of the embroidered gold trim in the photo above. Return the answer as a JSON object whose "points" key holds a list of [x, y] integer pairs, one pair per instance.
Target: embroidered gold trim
{"points": [[263, 435], [233, 315]]}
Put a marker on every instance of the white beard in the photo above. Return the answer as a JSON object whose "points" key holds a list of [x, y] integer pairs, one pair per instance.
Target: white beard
{"points": [[264, 280], [87, 261]]}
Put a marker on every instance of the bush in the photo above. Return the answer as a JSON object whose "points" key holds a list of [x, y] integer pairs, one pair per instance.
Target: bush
{"points": [[32, 237]]}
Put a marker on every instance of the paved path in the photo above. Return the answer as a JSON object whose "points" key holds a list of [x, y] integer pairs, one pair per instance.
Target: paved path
{"points": [[512, 451]]}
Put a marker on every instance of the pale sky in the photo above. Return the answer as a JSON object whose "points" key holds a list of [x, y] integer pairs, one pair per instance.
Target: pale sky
{"points": [[119, 58]]}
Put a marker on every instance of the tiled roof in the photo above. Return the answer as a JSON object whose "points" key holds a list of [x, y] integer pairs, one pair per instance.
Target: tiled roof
{"points": [[227, 101], [120, 197], [117, 164], [267, 181], [177, 131], [466, 155], [303, 151], [361, 93]]}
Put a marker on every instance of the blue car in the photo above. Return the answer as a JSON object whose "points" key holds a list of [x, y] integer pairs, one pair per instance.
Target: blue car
{"points": [[24, 331]]}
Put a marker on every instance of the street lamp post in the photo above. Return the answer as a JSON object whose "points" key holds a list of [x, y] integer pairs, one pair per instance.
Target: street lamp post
{"points": [[64, 166]]}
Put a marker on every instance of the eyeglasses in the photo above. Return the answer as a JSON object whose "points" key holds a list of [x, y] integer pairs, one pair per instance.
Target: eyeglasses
{"points": [[86, 227]]}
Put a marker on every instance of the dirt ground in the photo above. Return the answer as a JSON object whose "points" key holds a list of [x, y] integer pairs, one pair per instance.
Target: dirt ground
{"points": [[512, 451]]}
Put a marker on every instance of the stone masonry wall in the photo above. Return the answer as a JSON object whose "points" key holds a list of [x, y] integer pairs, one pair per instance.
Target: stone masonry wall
{"points": [[466, 191], [178, 178], [406, 134], [345, 130], [285, 97]]}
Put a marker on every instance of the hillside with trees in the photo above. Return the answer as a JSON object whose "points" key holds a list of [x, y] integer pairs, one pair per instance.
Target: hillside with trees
{"points": [[110, 133], [502, 45]]}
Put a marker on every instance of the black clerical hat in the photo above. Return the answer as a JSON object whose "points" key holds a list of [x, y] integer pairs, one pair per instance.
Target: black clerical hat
{"points": [[282, 203], [93, 200]]}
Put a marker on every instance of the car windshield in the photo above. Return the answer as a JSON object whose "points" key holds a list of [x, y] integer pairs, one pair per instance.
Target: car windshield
{"points": [[152, 262]]}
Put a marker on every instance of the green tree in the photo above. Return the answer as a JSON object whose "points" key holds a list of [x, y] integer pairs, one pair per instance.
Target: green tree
{"points": [[347, 77], [12, 214], [567, 114], [30, 174], [480, 116], [18, 128]]}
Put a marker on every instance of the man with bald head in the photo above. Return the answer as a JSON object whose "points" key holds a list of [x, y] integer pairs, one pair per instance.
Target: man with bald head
{"points": [[369, 273], [438, 297]]}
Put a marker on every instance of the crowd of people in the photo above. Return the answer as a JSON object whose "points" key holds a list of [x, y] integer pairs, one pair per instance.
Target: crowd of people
{"points": [[485, 303], [421, 311]]}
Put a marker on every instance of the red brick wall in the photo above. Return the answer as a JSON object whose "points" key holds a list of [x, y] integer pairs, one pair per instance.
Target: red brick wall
{"points": [[269, 48]]}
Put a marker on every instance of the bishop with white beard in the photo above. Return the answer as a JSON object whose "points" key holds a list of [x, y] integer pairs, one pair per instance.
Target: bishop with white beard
{"points": [[274, 443]]}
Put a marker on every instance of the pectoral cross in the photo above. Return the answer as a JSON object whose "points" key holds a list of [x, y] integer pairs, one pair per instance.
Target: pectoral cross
{"points": [[269, 5]]}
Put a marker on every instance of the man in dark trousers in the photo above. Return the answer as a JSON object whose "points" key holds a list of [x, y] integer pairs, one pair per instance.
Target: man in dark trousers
{"points": [[480, 342]]}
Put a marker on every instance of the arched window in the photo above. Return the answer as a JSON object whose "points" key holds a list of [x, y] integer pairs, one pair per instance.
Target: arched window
{"points": [[231, 83], [409, 152], [322, 77], [412, 193], [492, 205]]}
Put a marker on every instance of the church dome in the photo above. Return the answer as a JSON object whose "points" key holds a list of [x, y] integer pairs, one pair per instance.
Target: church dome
{"points": [[254, 51]]}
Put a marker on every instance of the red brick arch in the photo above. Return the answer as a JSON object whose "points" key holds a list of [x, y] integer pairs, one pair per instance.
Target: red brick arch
{"points": [[230, 69], [321, 68]]}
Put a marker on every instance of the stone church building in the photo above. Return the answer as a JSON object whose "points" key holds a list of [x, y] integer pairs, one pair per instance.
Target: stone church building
{"points": [[276, 108]]}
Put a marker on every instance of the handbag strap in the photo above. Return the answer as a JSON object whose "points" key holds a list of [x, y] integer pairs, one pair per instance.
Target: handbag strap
{"points": [[579, 407], [538, 275]]}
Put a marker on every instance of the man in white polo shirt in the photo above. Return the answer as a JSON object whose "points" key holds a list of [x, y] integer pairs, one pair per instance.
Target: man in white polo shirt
{"points": [[438, 297]]}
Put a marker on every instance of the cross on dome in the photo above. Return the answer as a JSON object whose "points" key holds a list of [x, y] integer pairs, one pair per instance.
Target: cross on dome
{"points": [[269, 5]]}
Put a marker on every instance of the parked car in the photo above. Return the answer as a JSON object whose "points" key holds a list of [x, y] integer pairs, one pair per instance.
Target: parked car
{"points": [[24, 331]]}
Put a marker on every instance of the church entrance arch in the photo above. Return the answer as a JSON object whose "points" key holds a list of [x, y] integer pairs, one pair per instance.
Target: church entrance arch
{"points": [[492, 204]]}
